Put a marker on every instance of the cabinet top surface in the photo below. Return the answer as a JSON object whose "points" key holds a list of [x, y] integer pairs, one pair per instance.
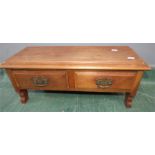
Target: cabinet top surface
{"points": [[77, 57]]}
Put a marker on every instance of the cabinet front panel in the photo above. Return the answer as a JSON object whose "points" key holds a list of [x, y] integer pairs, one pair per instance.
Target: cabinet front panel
{"points": [[104, 79], [40, 80]]}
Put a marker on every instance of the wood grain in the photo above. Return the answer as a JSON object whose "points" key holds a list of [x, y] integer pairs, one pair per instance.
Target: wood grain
{"points": [[73, 57], [120, 80], [56, 79]]}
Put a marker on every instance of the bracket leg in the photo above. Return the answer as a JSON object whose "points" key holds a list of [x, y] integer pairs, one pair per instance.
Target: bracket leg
{"points": [[23, 96], [128, 100]]}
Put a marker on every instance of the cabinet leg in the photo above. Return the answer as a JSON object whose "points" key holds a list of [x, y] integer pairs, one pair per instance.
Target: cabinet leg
{"points": [[23, 96], [128, 100]]}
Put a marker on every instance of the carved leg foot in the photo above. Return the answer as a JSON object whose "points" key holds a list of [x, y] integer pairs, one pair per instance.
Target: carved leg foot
{"points": [[23, 96], [128, 100]]}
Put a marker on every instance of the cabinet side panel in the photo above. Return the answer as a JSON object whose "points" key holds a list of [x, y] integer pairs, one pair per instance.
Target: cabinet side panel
{"points": [[12, 79], [137, 81]]}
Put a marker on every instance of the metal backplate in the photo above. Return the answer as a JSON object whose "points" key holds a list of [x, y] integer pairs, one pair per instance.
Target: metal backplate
{"points": [[103, 83], [40, 81]]}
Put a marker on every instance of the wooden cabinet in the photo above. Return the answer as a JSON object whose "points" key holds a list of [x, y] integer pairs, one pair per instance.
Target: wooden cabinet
{"points": [[76, 68]]}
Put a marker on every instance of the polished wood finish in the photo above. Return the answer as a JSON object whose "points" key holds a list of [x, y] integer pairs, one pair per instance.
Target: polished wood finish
{"points": [[76, 57], [76, 68], [56, 79], [137, 80], [23, 95], [120, 80], [128, 100]]}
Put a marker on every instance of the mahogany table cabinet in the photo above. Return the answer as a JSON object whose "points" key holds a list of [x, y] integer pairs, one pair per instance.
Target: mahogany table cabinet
{"points": [[76, 68]]}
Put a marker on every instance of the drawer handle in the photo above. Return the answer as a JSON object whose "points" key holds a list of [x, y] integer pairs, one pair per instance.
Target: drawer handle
{"points": [[103, 83], [40, 81]]}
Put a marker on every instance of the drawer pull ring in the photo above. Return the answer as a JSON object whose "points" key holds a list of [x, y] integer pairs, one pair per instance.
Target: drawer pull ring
{"points": [[40, 81], [103, 83]]}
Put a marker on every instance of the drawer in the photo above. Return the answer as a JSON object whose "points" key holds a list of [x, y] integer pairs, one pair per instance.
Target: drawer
{"points": [[41, 80], [104, 79]]}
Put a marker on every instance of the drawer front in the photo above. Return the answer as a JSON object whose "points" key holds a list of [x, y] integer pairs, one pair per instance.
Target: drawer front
{"points": [[42, 80], [104, 80]]}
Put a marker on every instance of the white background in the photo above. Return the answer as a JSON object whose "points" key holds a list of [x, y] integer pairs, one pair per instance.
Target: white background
{"points": [[77, 21], [81, 21], [77, 133]]}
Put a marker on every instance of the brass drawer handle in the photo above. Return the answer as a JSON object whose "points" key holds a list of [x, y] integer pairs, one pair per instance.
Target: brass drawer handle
{"points": [[103, 83], [40, 81]]}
